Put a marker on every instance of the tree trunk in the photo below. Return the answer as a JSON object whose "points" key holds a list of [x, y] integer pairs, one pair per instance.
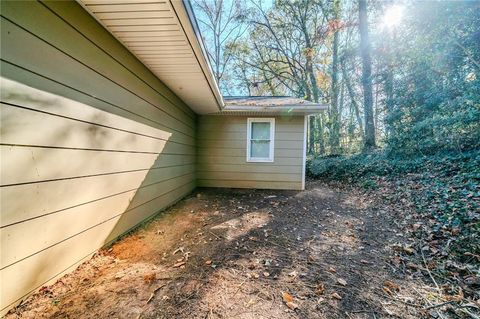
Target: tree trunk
{"points": [[311, 76], [321, 134], [388, 85], [334, 114], [348, 84], [369, 140], [309, 63]]}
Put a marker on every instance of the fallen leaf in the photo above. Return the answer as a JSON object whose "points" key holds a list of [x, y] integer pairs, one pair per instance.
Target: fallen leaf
{"points": [[387, 291], [331, 269], [458, 297], [342, 281], [253, 275], [412, 265], [179, 264], [409, 250], [149, 278], [292, 305], [249, 303], [336, 296], [391, 285], [287, 297], [266, 274], [118, 276], [320, 289], [208, 262]]}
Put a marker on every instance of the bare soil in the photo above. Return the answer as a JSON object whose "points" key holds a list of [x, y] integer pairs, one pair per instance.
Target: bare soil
{"points": [[319, 253]]}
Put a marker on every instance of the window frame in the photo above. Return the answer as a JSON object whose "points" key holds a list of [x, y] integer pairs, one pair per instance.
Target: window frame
{"points": [[269, 120]]}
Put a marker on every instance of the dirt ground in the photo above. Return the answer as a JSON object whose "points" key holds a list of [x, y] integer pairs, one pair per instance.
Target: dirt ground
{"points": [[320, 253]]}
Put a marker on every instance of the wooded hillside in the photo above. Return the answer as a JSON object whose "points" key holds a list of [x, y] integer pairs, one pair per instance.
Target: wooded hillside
{"points": [[399, 75], [402, 81]]}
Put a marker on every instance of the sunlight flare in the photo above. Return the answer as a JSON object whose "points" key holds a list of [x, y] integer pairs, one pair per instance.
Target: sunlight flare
{"points": [[393, 16]]}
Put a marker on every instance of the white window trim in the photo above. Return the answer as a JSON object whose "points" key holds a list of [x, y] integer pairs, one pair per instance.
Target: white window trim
{"points": [[249, 138]]}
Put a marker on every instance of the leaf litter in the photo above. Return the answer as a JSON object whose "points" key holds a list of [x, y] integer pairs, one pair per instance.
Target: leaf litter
{"points": [[327, 251]]}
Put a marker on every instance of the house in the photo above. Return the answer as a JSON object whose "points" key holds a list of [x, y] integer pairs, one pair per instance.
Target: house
{"points": [[109, 114]]}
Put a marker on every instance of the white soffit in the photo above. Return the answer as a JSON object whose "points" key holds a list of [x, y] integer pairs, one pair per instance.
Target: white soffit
{"points": [[162, 36]]}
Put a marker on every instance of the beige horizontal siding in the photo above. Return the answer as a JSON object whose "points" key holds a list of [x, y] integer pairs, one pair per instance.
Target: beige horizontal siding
{"points": [[58, 195], [245, 168], [250, 184], [215, 150], [16, 247], [282, 144], [241, 160], [49, 263], [226, 124], [16, 161], [222, 152], [92, 143], [213, 136]]}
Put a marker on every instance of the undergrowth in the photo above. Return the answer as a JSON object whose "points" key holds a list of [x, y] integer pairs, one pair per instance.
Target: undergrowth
{"points": [[435, 199]]}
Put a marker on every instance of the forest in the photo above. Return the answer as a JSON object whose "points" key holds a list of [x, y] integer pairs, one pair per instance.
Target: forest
{"points": [[402, 83], [397, 76]]}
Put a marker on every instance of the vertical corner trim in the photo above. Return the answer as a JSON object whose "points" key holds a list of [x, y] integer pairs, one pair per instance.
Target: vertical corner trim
{"points": [[305, 128]]}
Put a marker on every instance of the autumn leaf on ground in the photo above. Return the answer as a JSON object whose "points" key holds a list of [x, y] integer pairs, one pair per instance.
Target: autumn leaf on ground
{"points": [[287, 297], [458, 297], [387, 291], [391, 285], [342, 281], [336, 296], [149, 278], [179, 264], [288, 300], [253, 275], [320, 289]]}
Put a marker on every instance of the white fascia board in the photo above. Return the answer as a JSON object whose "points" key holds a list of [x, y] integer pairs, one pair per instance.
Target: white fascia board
{"points": [[186, 16]]}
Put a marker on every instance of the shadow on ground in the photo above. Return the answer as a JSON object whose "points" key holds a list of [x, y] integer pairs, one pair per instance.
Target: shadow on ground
{"points": [[320, 253]]}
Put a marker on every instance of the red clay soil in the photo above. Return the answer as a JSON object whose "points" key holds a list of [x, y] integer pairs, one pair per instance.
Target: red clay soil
{"points": [[320, 253]]}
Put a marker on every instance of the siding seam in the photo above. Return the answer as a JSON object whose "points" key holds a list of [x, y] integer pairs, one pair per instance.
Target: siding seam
{"points": [[93, 226], [88, 122], [92, 149], [106, 244], [94, 200], [95, 97], [190, 114], [98, 72], [91, 175]]}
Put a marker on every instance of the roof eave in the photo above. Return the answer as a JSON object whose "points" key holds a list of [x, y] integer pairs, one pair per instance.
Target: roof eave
{"points": [[187, 18], [272, 110]]}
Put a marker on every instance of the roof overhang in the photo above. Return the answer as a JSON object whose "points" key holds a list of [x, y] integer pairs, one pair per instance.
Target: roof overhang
{"points": [[269, 105], [164, 36], [278, 110]]}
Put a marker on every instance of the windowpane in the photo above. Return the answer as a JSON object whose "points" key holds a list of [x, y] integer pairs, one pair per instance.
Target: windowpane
{"points": [[260, 131], [260, 149]]}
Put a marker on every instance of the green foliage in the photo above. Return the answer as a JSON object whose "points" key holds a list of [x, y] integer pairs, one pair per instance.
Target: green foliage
{"points": [[436, 102], [444, 188], [355, 168]]}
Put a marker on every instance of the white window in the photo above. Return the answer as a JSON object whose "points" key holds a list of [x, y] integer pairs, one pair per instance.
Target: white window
{"points": [[260, 138]]}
